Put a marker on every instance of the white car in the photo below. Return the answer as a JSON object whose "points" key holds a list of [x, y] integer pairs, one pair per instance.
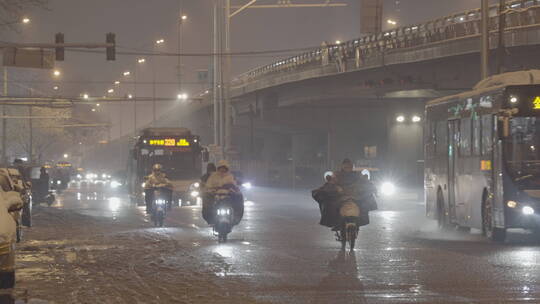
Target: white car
{"points": [[9, 202]]}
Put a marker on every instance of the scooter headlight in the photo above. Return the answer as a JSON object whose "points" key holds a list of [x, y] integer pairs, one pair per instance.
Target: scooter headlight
{"points": [[388, 189], [160, 202], [247, 185], [224, 211], [196, 185], [527, 210]]}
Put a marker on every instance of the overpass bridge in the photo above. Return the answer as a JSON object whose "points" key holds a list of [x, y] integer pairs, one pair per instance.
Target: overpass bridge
{"points": [[343, 100]]}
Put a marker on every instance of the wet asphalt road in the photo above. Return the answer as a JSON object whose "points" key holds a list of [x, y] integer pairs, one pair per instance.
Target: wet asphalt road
{"points": [[284, 256]]}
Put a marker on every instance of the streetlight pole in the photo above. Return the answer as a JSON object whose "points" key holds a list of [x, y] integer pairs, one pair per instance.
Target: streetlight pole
{"points": [[4, 121], [501, 47], [485, 40], [216, 73], [227, 71], [181, 20], [135, 101]]}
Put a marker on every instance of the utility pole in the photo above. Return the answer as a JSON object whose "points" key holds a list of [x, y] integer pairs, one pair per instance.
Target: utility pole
{"points": [[153, 92], [30, 135], [4, 121], [135, 103], [227, 78], [485, 40], [502, 26], [216, 73], [179, 58]]}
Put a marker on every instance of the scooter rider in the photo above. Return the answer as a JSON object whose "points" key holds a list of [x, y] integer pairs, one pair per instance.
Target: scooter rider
{"points": [[157, 179], [359, 187], [220, 179]]}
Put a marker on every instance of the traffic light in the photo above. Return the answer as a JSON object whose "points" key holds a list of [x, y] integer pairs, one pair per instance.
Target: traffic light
{"points": [[111, 50], [59, 51]]}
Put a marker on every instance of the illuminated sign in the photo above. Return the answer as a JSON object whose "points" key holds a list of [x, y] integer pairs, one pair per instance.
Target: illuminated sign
{"points": [[169, 142], [63, 165], [536, 103], [485, 165]]}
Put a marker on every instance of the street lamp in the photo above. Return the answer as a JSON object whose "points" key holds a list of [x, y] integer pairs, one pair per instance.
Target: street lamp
{"points": [[57, 73], [160, 41], [130, 96], [141, 60], [110, 91], [66, 155], [117, 82], [56, 88], [338, 42], [183, 17], [127, 73], [85, 96], [400, 118], [391, 22], [25, 20], [416, 118]]}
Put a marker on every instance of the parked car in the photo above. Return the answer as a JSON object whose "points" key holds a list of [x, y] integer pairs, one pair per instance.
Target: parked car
{"points": [[25, 190], [10, 202]]}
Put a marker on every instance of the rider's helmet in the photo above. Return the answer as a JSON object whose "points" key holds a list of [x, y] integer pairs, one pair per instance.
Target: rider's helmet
{"points": [[157, 168]]}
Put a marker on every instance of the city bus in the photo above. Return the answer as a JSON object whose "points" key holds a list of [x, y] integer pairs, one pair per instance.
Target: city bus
{"points": [[482, 159], [178, 151]]}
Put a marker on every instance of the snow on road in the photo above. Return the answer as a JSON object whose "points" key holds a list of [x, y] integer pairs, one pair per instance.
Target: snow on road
{"points": [[72, 258]]}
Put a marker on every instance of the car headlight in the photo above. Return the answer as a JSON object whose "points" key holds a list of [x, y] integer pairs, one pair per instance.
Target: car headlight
{"points": [[194, 193], [247, 185], [387, 188], [58, 182], [115, 184], [196, 185], [511, 204], [527, 210], [143, 185]]}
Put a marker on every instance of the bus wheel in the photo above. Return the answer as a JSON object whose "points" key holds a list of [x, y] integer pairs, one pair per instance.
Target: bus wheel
{"points": [[442, 219], [493, 233]]}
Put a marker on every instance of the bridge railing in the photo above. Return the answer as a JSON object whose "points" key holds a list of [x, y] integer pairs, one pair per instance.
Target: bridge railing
{"points": [[520, 13]]}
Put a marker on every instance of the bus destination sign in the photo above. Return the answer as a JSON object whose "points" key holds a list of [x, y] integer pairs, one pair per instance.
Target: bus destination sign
{"points": [[169, 142], [536, 103]]}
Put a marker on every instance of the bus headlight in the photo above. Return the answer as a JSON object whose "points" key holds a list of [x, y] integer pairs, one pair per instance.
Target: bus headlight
{"points": [[511, 204], [387, 188], [527, 210]]}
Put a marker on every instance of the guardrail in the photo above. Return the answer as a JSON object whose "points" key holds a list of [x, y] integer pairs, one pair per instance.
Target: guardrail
{"points": [[519, 13]]}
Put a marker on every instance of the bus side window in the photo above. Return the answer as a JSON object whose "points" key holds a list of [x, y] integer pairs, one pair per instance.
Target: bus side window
{"points": [[465, 137], [441, 138], [476, 125], [487, 134]]}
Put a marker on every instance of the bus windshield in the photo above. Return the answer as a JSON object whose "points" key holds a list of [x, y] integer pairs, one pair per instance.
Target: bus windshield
{"points": [[178, 165], [522, 151]]}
